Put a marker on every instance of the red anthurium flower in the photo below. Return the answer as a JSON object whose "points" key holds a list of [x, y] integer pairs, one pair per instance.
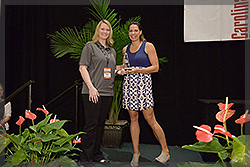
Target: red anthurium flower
{"points": [[20, 121], [223, 106], [30, 115], [243, 119], [220, 115], [220, 129], [53, 120], [203, 134], [38, 141], [5, 135], [43, 110], [78, 140]]}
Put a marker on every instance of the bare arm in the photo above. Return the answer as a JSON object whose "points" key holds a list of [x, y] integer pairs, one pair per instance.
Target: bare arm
{"points": [[152, 55], [93, 93], [6, 119]]}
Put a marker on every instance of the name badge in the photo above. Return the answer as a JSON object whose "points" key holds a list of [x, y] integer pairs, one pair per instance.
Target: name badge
{"points": [[107, 73]]}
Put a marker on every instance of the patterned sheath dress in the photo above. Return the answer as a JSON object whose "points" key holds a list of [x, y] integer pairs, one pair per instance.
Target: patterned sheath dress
{"points": [[137, 88]]}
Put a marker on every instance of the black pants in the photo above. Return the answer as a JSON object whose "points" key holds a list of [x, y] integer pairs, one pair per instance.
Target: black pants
{"points": [[94, 116]]}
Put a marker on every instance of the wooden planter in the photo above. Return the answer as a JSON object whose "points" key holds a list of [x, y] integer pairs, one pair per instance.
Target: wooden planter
{"points": [[113, 134]]}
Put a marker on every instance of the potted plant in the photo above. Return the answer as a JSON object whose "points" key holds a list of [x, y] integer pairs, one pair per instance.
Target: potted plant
{"points": [[43, 144], [221, 142]]}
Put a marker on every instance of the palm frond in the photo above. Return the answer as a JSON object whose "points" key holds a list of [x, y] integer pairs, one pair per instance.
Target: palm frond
{"points": [[101, 9], [90, 26], [68, 41]]}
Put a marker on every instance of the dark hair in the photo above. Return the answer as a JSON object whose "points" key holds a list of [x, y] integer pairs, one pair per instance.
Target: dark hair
{"points": [[142, 38]]}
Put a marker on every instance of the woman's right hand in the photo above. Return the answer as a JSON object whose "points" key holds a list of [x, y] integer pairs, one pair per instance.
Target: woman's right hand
{"points": [[93, 95]]}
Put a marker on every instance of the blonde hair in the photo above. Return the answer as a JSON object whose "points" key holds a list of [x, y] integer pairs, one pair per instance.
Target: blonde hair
{"points": [[110, 40]]}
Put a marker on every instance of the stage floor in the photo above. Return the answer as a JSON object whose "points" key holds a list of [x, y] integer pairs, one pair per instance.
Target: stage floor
{"points": [[121, 157]]}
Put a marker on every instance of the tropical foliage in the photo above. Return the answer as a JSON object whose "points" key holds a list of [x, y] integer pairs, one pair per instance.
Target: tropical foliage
{"points": [[70, 41], [221, 141], [43, 144]]}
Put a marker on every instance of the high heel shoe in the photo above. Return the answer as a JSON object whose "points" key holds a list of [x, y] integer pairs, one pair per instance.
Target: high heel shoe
{"points": [[163, 158], [135, 160]]}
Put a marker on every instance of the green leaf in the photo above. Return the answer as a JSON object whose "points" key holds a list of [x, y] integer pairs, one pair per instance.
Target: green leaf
{"points": [[49, 137], [17, 139], [56, 125], [36, 147], [38, 126], [62, 132], [25, 135], [238, 153], [211, 147], [18, 157], [64, 140], [66, 161], [4, 142], [66, 147]]}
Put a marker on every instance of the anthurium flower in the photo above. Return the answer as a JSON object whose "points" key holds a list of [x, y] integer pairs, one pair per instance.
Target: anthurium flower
{"points": [[203, 134], [43, 110], [20, 121], [78, 140], [38, 141], [222, 106], [5, 135], [220, 129], [53, 120], [30, 115], [220, 115], [243, 119]]}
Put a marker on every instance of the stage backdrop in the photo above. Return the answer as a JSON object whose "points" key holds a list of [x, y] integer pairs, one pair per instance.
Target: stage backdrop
{"points": [[216, 20]]}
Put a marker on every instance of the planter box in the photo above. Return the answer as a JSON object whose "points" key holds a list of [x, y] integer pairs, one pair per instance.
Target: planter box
{"points": [[113, 134]]}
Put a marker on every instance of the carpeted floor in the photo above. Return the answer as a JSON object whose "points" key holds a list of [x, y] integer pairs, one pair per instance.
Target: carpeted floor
{"points": [[121, 157]]}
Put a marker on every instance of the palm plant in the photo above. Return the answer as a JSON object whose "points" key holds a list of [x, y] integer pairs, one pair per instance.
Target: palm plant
{"points": [[70, 41]]}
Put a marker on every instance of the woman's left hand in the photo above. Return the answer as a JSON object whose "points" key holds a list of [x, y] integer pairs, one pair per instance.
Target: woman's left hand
{"points": [[133, 70]]}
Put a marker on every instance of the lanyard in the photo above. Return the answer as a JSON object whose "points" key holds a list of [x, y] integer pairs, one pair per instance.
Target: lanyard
{"points": [[106, 51]]}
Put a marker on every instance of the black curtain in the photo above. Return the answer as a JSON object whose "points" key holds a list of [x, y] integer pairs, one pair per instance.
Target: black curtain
{"points": [[196, 70]]}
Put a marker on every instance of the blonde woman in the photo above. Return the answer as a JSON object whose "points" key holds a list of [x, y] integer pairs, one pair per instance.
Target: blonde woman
{"points": [[97, 68]]}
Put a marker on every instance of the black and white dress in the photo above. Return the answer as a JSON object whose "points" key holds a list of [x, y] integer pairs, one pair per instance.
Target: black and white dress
{"points": [[137, 88]]}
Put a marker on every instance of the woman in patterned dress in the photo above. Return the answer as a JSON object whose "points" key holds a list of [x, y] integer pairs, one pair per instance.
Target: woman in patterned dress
{"points": [[137, 90]]}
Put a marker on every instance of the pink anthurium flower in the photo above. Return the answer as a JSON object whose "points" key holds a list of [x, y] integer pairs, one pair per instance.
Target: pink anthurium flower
{"points": [[30, 115], [54, 120], [243, 119], [78, 140], [220, 115], [203, 134], [20, 121], [220, 129], [223, 106], [46, 112]]}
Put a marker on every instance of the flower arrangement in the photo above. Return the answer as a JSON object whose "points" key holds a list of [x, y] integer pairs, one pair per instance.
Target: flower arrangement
{"points": [[41, 144], [235, 149]]}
